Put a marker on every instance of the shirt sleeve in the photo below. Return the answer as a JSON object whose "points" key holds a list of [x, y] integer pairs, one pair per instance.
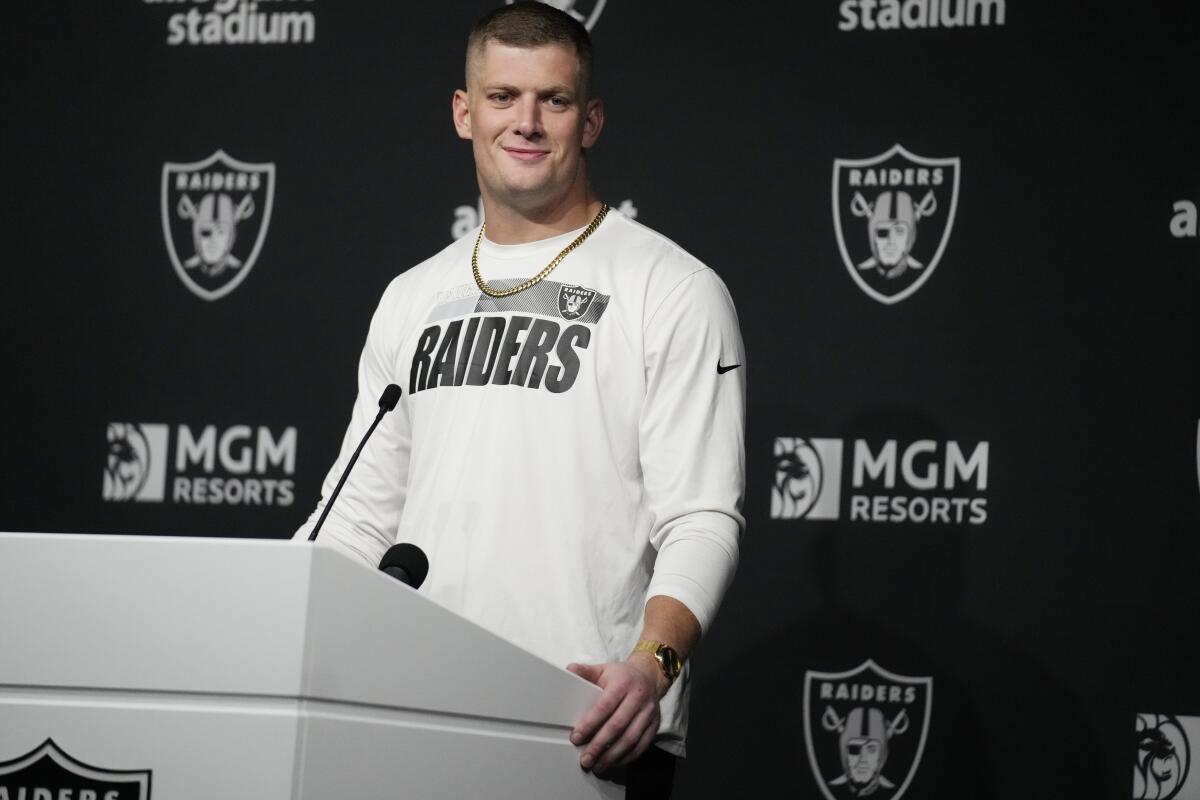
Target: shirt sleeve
{"points": [[692, 442], [366, 515]]}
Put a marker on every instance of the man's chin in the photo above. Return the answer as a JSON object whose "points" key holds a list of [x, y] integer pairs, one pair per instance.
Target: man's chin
{"points": [[529, 195]]}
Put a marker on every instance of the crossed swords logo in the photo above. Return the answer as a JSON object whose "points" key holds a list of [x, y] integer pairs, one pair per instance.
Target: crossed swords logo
{"points": [[863, 737], [214, 230], [892, 227]]}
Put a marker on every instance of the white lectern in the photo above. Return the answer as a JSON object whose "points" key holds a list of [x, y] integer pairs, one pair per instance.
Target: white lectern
{"points": [[260, 669]]}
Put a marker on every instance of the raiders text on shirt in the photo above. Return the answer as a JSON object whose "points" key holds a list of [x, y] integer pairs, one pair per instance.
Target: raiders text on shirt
{"points": [[484, 353]]}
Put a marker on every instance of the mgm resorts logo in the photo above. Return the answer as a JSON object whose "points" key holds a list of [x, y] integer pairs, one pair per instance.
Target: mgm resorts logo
{"points": [[48, 773], [925, 481], [880, 204], [215, 214], [1163, 770], [865, 730], [237, 466]]}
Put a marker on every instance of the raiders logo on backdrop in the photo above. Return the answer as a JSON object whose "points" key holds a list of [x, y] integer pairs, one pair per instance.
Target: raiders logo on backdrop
{"points": [[47, 771], [1164, 758], [892, 215], [573, 301], [585, 12], [215, 215], [865, 730]]}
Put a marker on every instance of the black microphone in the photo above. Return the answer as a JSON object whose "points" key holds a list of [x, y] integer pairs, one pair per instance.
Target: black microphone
{"points": [[406, 563], [389, 398], [387, 401]]}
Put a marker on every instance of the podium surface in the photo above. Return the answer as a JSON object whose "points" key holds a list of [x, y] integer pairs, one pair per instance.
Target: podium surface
{"points": [[266, 669]]}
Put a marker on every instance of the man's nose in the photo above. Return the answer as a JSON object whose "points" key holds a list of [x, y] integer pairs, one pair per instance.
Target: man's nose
{"points": [[529, 118]]}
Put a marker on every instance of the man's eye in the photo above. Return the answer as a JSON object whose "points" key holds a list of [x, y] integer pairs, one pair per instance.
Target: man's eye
{"points": [[500, 97], [560, 102]]}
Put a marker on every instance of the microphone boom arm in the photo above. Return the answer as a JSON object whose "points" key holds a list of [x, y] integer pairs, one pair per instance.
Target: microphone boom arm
{"points": [[387, 402]]}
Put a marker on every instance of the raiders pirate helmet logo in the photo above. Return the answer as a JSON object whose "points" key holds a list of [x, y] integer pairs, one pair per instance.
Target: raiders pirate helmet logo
{"points": [[574, 301], [215, 215], [892, 215], [865, 730]]}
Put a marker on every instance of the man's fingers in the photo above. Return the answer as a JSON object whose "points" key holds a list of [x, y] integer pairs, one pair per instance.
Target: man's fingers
{"points": [[589, 672], [622, 721], [644, 743], [625, 748], [601, 710], [610, 733]]}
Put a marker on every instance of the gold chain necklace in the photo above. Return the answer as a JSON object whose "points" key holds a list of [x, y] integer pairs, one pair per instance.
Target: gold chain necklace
{"points": [[488, 290]]}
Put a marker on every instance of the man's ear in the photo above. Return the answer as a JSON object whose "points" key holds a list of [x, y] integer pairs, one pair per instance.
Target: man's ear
{"points": [[593, 122], [461, 111]]}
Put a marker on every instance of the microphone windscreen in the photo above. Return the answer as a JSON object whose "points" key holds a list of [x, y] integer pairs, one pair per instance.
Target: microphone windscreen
{"points": [[409, 558], [389, 398]]}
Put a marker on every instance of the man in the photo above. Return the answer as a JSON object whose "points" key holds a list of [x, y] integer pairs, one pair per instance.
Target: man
{"points": [[569, 449]]}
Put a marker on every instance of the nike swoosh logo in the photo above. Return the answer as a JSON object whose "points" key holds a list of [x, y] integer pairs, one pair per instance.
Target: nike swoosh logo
{"points": [[722, 370]]}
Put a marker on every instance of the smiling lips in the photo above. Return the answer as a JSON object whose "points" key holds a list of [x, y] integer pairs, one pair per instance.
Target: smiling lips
{"points": [[526, 154]]}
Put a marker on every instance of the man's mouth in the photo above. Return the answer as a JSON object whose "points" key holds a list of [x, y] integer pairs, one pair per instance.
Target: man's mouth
{"points": [[526, 153]]}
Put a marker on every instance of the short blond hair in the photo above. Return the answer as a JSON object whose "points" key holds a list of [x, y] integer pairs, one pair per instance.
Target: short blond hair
{"points": [[533, 24]]}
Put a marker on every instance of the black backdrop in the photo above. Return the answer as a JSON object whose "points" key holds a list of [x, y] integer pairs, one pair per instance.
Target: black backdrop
{"points": [[1057, 327]]}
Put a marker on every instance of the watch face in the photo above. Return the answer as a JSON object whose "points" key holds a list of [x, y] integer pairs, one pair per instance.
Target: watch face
{"points": [[669, 660]]}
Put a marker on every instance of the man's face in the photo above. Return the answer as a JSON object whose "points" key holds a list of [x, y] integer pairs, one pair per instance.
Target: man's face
{"points": [[213, 240], [862, 757], [891, 239], [528, 120]]}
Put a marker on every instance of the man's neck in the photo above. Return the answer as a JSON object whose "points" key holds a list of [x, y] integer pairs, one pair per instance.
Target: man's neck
{"points": [[507, 224]]}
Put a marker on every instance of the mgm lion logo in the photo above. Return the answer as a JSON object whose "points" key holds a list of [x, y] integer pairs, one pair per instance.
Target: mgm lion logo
{"points": [[215, 215], [880, 204], [135, 468], [808, 478], [1164, 758]]}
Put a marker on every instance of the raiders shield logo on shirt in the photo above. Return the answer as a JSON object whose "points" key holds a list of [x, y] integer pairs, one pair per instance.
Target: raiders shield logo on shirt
{"points": [[573, 301]]}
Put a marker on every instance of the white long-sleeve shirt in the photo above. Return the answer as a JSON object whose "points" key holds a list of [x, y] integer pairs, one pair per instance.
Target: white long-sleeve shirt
{"points": [[561, 455]]}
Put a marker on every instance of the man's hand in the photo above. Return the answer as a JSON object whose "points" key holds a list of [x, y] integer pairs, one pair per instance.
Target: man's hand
{"points": [[621, 724]]}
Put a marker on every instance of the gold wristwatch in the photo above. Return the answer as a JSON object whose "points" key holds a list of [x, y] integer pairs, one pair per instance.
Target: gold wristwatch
{"points": [[668, 660]]}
